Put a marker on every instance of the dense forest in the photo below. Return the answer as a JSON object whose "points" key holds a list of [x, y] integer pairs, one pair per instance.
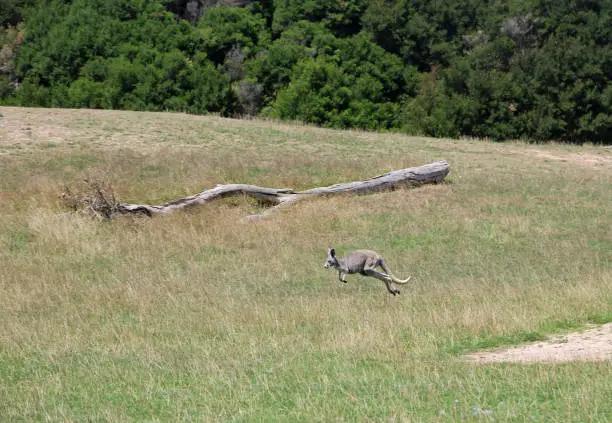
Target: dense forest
{"points": [[529, 69]]}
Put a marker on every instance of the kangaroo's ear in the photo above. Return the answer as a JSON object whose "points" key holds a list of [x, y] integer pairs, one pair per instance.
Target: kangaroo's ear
{"points": [[331, 252]]}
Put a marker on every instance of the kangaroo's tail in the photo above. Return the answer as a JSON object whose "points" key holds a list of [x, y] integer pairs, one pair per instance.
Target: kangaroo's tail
{"points": [[399, 281], [395, 279]]}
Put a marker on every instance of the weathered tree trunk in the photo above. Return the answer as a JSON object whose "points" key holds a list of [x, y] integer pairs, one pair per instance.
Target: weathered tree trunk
{"points": [[430, 173]]}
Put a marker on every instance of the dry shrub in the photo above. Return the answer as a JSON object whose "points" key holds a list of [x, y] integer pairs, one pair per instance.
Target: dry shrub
{"points": [[91, 196]]}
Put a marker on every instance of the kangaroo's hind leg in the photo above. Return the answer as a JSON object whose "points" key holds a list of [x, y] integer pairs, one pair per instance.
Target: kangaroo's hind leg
{"points": [[383, 277], [381, 263]]}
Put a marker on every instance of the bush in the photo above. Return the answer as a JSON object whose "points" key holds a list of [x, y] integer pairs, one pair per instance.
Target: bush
{"points": [[227, 28], [88, 94]]}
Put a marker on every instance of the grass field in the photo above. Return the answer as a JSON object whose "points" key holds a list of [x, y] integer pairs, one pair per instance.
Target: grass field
{"points": [[198, 316]]}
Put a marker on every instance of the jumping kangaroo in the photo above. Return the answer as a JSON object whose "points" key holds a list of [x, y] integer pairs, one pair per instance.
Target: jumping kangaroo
{"points": [[363, 262]]}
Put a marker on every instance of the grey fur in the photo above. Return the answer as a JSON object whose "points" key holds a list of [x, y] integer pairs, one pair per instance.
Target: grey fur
{"points": [[365, 263]]}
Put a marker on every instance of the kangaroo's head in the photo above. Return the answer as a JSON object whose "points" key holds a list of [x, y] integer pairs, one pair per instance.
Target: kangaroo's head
{"points": [[332, 260]]}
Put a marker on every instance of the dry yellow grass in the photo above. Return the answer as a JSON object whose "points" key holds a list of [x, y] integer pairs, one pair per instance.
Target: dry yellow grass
{"points": [[197, 316]]}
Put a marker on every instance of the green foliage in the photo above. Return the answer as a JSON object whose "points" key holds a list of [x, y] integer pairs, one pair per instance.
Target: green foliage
{"points": [[11, 11], [154, 81], [341, 17], [85, 93], [125, 55], [568, 86], [523, 80], [210, 89], [315, 95], [534, 70], [223, 28], [274, 69], [352, 86], [422, 33]]}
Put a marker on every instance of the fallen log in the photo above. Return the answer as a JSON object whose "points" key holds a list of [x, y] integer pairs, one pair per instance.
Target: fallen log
{"points": [[277, 197]]}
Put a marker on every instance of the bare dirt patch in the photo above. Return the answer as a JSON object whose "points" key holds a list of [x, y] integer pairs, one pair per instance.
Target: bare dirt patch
{"points": [[600, 158], [594, 344]]}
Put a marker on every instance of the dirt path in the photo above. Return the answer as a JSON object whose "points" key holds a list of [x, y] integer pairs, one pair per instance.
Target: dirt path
{"points": [[594, 344]]}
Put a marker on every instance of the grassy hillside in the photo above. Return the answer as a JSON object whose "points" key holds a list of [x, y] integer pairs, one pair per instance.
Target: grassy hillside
{"points": [[198, 316]]}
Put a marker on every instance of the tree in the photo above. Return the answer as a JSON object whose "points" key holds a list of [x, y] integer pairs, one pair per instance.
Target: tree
{"points": [[342, 18], [224, 29]]}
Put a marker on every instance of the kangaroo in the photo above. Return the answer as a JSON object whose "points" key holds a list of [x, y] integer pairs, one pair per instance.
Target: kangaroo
{"points": [[365, 263]]}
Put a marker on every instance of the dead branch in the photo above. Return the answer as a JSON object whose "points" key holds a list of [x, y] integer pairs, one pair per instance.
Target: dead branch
{"points": [[277, 197]]}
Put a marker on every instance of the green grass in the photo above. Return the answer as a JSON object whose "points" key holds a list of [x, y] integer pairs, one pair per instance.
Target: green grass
{"points": [[198, 316]]}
